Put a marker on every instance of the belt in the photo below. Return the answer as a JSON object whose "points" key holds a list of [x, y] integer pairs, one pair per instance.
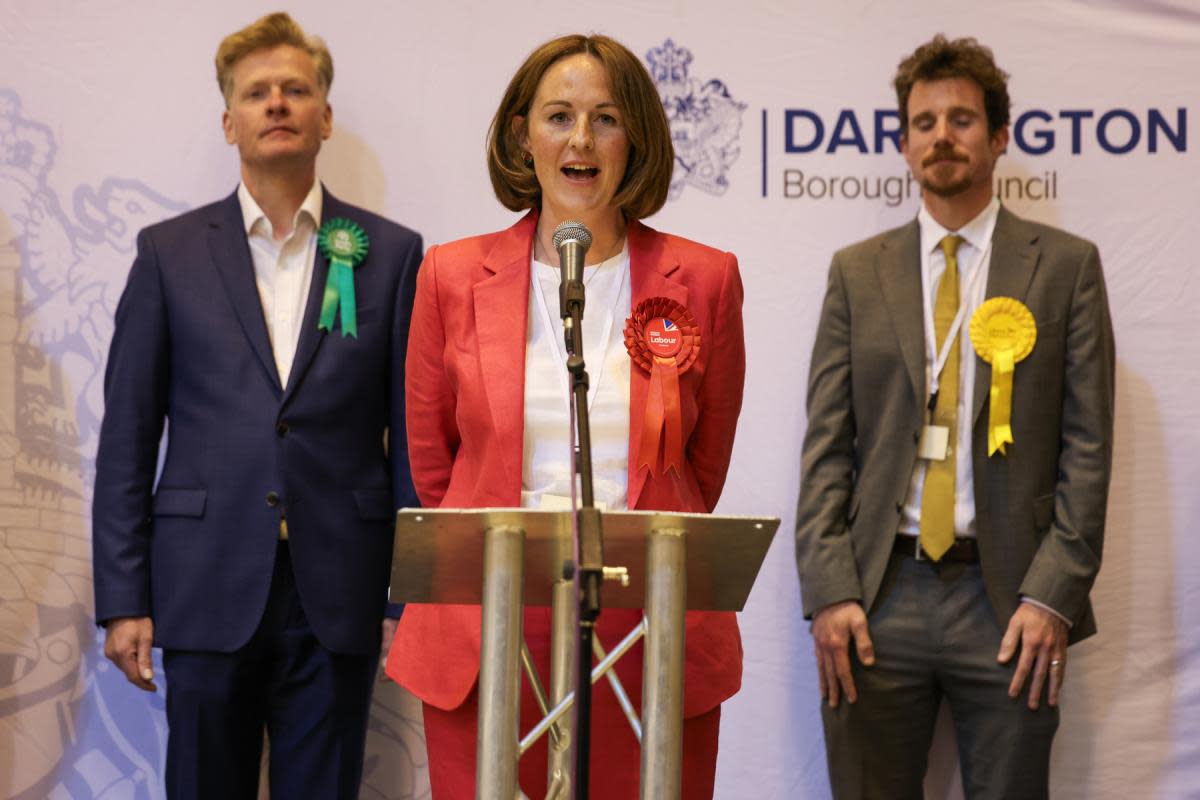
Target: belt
{"points": [[963, 551]]}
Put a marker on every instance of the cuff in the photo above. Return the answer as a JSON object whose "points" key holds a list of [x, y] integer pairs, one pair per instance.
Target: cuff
{"points": [[1044, 607]]}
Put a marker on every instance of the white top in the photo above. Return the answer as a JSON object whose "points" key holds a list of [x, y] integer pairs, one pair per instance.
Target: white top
{"points": [[974, 260], [546, 458], [283, 271]]}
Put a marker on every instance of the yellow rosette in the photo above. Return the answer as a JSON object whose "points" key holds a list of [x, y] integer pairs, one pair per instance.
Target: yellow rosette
{"points": [[1003, 332]]}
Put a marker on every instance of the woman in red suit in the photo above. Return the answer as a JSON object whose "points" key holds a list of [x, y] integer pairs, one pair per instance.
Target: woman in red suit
{"points": [[579, 135]]}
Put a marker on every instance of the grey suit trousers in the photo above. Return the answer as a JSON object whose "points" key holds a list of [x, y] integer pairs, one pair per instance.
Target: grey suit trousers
{"points": [[936, 637]]}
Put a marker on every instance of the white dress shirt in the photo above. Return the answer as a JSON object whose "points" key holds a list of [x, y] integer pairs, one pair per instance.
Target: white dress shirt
{"points": [[283, 271], [545, 463], [974, 260]]}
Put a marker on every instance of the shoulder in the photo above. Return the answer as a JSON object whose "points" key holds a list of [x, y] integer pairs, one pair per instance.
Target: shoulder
{"points": [[380, 230], [186, 227], [668, 246], [866, 250], [1049, 239]]}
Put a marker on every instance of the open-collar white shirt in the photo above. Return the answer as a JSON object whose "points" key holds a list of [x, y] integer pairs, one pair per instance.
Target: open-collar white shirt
{"points": [[283, 270]]}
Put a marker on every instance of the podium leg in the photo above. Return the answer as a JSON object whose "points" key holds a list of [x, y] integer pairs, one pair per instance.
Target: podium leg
{"points": [[499, 664], [662, 673], [563, 616]]}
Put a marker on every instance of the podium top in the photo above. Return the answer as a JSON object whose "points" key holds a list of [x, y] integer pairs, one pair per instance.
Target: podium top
{"points": [[438, 555]]}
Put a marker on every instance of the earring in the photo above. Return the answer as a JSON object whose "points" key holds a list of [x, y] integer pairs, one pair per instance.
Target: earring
{"points": [[527, 158]]}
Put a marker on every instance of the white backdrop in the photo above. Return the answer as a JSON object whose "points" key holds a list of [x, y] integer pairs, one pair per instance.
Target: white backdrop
{"points": [[109, 120]]}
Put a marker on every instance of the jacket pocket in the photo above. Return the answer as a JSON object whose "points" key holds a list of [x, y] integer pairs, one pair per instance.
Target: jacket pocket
{"points": [[180, 502], [375, 504]]}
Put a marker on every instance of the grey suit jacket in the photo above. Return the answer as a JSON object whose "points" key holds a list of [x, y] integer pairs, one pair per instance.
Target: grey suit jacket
{"points": [[1039, 509]]}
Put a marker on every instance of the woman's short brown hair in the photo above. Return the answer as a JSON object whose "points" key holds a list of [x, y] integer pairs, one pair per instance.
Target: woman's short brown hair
{"points": [[647, 179], [270, 31], [942, 58]]}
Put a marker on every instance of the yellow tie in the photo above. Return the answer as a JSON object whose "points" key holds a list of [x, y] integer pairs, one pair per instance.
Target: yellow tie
{"points": [[937, 500]]}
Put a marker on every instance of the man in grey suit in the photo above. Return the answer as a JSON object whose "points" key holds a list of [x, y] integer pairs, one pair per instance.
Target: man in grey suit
{"points": [[957, 460]]}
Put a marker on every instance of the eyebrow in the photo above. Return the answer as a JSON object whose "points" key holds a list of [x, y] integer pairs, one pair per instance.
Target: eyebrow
{"points": [[567, 103]]}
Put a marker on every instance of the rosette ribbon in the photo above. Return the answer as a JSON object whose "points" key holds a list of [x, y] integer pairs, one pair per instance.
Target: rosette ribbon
{"points": [[662, 338], [344, 243], [1003, 333]]}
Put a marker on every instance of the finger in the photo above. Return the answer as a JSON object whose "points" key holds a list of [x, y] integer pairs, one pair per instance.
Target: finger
{"points": [[863, 643], [1036, 684], [845, 675], [1008, 645], [831, 681], [145, 665], [821, 676], [1024, 665], [1058, 670]]}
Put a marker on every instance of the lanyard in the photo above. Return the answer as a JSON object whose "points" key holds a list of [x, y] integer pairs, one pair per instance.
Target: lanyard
{"points": [[939, 358], [554, 334]]}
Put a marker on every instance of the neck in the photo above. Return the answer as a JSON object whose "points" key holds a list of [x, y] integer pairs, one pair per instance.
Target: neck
{"points": [[279, 194], [608, 236], [954, 212]]}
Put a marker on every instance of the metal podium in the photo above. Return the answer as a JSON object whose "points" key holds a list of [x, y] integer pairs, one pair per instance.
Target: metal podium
{"points": [[503, 559]]}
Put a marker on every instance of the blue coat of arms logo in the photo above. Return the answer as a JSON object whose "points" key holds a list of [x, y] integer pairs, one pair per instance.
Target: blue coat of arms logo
{"points": [[705, 121]]}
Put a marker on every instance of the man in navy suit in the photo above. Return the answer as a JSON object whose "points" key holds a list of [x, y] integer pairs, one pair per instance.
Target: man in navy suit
{"points": [[259, 562]]}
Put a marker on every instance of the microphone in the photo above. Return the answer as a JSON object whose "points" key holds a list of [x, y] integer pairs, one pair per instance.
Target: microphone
{"points": [[571, 240]]}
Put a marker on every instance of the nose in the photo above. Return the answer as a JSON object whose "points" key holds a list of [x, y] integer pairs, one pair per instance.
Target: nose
{"points": [[581, 133], [276, 101], [941, 129]]}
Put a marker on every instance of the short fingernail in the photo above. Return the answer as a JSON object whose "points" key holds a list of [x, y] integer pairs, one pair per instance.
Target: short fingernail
{"points": [[147, 674]]}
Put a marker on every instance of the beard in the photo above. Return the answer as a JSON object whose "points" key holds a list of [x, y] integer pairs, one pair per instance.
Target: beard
{"points": [[948, 185]]}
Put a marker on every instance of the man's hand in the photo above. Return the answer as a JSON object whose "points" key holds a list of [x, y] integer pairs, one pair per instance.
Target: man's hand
{"points": [[387, 632], [1042, 638], [127, 644], [832, 629]]}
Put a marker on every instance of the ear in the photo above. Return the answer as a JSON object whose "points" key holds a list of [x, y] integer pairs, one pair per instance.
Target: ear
{"points": [[1000, 142], [520, 130], [327, 122], [904, 144], [227, 126]]}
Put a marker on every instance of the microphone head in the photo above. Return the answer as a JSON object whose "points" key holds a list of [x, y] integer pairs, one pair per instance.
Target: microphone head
{"points": [[569, 230]]}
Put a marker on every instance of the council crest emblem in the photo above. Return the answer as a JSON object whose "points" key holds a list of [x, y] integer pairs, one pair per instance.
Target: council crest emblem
{"points": [[705, 120]]}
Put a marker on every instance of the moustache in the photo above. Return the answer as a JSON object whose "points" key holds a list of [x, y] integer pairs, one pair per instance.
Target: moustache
{"points": [[942, 155]]}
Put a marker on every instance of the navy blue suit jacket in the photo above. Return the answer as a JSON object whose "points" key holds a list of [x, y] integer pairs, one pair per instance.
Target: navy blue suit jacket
{"points": [[196, 552]]}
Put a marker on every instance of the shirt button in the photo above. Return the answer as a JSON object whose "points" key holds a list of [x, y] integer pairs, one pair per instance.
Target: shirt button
{"points": [[272, 499]]}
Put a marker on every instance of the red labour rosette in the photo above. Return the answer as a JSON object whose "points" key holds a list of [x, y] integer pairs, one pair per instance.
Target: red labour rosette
{"points": [[662, 338]]}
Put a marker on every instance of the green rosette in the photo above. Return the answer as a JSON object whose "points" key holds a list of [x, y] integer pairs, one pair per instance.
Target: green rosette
{"points": [[344, 243]]}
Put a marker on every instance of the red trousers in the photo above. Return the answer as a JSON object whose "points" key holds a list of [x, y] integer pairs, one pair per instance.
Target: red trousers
{"points": [[450, 736]]}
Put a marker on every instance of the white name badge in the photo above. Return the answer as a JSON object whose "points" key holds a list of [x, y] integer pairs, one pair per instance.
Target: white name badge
{"points": [[933, 443], [558, 502]]}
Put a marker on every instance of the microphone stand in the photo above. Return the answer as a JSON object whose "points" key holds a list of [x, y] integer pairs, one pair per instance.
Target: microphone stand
{"points": [[590, 568]]}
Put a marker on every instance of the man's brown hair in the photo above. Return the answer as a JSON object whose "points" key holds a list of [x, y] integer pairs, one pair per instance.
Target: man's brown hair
{"points": [[647, 179], [271, 31], [942, 58]]}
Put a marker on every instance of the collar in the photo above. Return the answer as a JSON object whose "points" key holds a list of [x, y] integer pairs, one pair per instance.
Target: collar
{"points": [[977, 232], [252, 213]]}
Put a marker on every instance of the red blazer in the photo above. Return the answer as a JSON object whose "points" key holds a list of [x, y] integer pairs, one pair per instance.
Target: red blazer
{"points": [[465, 394]]}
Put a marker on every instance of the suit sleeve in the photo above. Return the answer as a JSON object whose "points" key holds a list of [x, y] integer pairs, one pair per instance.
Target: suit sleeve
{"points": [[1068, 558], [135, 397], [433, 435], [711, 444], [828, 572], [403, 494]]}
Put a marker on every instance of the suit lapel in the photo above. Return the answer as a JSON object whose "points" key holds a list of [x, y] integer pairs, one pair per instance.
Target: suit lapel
{"points": [[231, 257], [501, 301], [651, 265], [310, 337], [1014, 260], [898, 268]]}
